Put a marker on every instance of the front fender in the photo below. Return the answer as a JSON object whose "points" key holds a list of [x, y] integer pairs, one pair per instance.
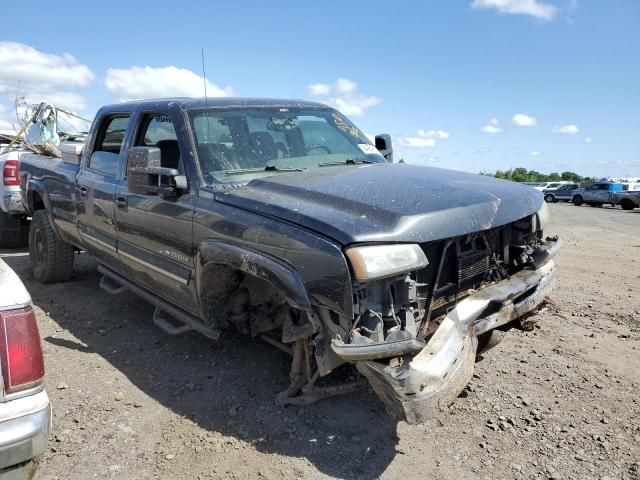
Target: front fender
{"points": [[277, 273]]}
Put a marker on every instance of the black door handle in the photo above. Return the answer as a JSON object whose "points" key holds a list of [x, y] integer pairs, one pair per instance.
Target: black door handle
{"points": [[83, 191], [121, 202]]}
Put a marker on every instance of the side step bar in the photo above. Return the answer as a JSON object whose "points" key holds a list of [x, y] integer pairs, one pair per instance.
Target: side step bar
{"points": [[188, 320], [110, 286]]}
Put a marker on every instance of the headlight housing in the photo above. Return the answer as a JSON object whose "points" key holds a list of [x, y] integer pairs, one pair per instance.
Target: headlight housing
{"points": [[370, 262], [543, 216]]}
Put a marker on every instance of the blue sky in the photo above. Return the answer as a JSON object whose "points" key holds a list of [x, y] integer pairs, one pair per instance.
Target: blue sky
{"points": [[474, 85]]}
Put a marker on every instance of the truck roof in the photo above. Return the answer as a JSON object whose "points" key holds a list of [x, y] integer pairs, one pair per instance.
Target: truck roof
{"points": [[188, 102]]}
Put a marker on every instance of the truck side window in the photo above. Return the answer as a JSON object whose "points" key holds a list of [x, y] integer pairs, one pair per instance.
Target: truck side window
{"points": [[106, 153], [158, 131]]}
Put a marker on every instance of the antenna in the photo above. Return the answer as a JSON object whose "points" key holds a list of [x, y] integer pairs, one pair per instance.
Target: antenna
{"points": [[206, 99], [204, 77]]}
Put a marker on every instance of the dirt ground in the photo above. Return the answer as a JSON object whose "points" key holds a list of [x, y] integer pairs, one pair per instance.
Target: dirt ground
{"points": [[561, 401]]}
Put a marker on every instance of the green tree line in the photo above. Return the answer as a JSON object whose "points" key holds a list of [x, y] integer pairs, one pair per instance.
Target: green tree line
{"points": [[521, 174]]}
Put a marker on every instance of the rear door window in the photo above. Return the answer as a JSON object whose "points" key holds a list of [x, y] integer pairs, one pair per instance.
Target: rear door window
{"points": [[105, 157]]}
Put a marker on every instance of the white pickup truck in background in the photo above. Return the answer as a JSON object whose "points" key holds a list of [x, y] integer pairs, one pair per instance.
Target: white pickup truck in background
{"points": [[14, 227]]}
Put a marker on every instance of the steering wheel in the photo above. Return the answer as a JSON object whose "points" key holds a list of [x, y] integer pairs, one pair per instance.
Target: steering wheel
{"points": [[313, 147]]}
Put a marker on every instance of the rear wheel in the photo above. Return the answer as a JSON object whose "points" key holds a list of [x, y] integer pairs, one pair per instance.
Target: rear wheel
{"points": [[577, 200], [627, 204], [51, 258], [14, 231]]}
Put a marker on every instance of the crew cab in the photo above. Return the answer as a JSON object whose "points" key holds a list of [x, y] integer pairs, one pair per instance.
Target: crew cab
{"points": [[596, 194], [14, 227], [25, 412], [281, 219]]}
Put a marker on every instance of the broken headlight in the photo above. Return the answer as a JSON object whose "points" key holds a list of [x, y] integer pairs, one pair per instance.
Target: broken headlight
{"points": [[371, 262]]}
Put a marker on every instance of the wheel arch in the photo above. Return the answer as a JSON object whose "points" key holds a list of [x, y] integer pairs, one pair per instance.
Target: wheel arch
{"points": [[37, 198], [223, 257]]}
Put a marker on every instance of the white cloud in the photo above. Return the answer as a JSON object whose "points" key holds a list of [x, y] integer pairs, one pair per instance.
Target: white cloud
{"points": [[492, 127], [344, 95], [151, 82], [433, 134], [587, 140], [522, 120], [345, 86], [535, 153], [417, 142], [566, 129], [6, 122], [535, 8], [23, 68], [319, 89]]}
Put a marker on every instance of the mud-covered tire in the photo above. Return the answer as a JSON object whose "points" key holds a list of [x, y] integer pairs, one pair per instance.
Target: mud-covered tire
{"points": [[51, 258], [627, 204], [14, 231], [577, 200]]}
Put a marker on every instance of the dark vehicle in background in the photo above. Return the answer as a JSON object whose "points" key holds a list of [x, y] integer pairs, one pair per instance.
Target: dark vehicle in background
{"points": [[281, 219], [25, 413], [596, 194], [563, 193]]}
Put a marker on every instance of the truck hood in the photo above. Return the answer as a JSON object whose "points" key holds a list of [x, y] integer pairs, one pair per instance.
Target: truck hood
{"points": [[386, 202]]}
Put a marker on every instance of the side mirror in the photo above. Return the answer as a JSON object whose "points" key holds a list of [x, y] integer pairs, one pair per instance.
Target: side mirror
{"points": [[146, 176], [383, 144]]}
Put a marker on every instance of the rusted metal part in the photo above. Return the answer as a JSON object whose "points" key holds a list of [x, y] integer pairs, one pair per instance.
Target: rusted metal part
{"points": [[303, 389], [316, 394], [437, 375]]}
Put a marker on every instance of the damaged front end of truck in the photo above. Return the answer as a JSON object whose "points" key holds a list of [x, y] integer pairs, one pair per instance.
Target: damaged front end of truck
{"points": [[421, 310], [415, 337]]}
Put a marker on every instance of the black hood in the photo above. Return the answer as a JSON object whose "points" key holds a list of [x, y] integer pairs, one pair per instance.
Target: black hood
{"points": [[387, 202]]}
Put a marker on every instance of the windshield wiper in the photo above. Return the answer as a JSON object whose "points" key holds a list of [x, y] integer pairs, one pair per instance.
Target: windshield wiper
{"points": [[348, 161], [267, 168]]}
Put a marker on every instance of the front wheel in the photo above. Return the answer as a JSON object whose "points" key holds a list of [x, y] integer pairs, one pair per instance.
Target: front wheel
{"points": [[51, 258], [577, 200], [549, 198]]}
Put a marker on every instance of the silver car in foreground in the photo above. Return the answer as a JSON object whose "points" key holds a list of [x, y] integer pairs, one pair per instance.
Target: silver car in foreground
{"points": [[25, 412]]}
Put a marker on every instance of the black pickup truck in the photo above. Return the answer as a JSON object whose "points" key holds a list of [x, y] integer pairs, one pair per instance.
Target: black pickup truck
{"points": [[281, 219]]}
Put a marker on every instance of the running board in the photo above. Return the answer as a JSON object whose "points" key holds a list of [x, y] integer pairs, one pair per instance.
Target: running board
{"points": [[186, 319], [110, 286], [167, 326]]}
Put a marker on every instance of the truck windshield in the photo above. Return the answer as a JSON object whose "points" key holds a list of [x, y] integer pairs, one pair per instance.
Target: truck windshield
{"points": [[235, 145]]}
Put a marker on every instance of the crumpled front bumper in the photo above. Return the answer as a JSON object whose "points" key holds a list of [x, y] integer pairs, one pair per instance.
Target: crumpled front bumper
{"points": [[441, 370]]}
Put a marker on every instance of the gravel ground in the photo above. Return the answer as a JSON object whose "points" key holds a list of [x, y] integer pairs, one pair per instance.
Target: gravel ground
{"points": [[560, 401]]}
